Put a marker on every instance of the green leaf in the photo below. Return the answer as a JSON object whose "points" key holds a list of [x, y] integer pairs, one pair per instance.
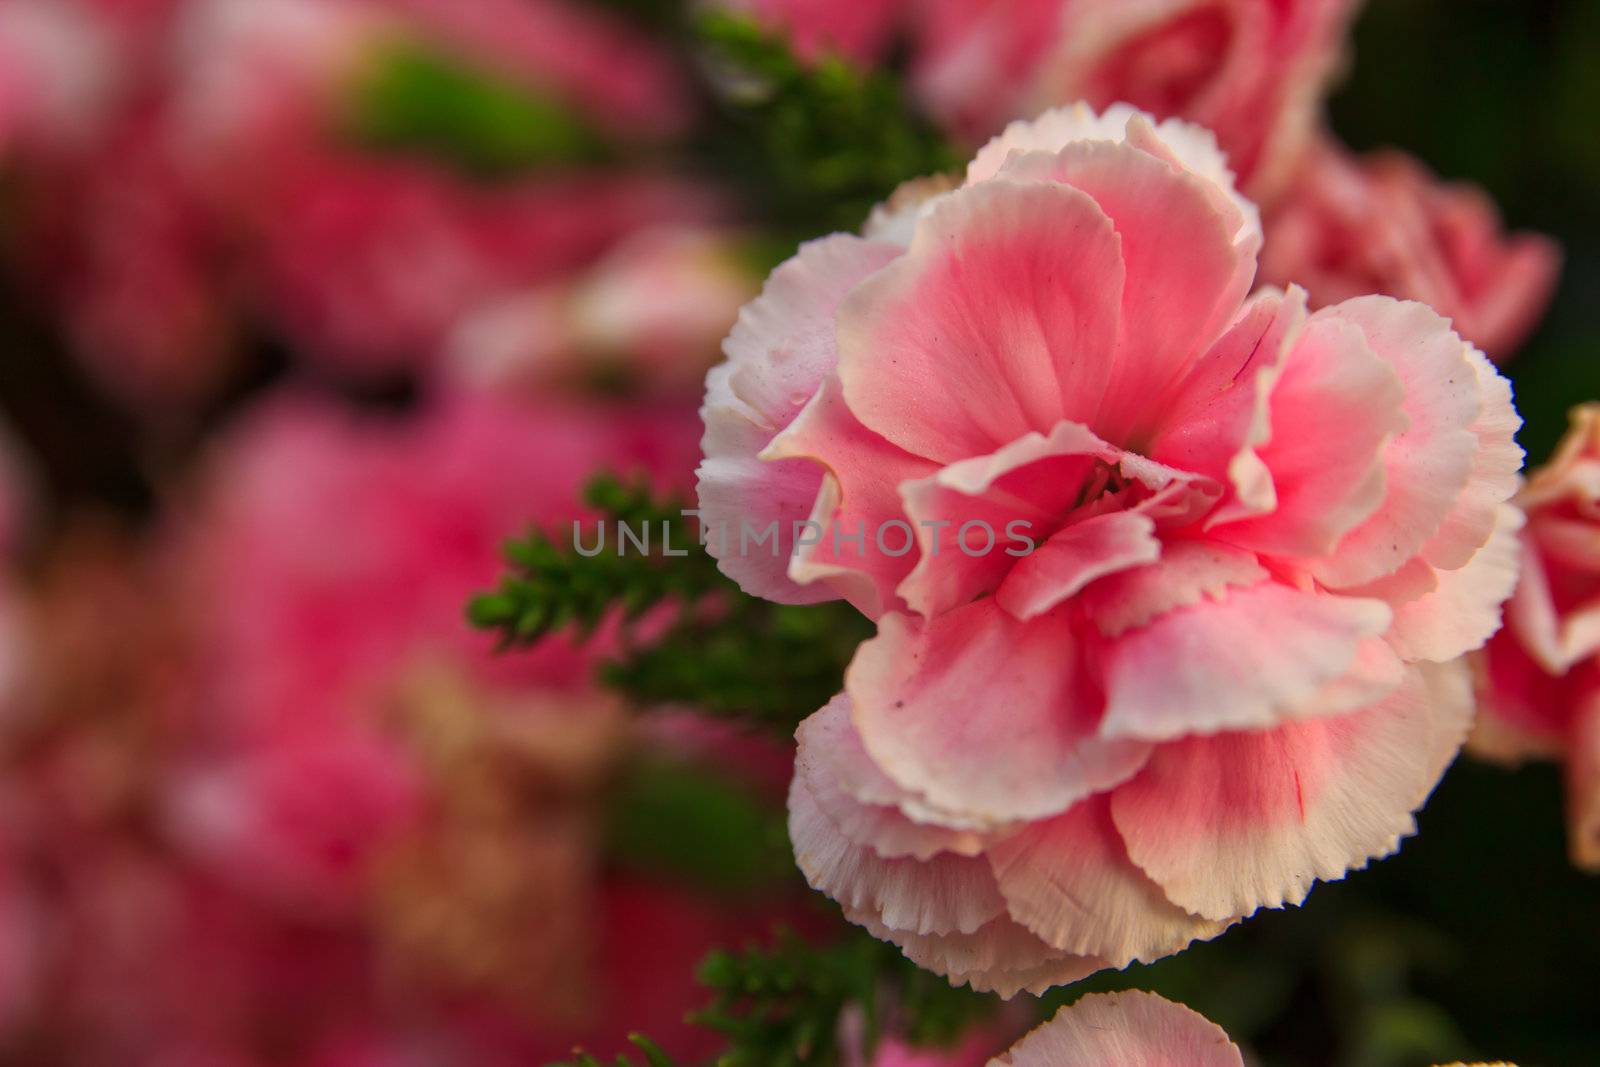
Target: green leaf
{"points": [[414, 97]]}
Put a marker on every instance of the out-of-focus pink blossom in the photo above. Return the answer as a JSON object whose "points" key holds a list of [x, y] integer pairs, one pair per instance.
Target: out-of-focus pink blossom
{"points": [[650, 315], [1252, 71], [371, 262], [1169, 584], [1349, 226], [357, 542], [57, 70], [597, 64], [216, 180], [1540, 675], [376, 264], [131, 260]]}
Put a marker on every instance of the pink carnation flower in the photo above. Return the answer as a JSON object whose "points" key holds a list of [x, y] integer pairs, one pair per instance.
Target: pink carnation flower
{"points": [[1383, 224], [1254, 71], [1260, 536], [1540, 675], [1131, 1029]]}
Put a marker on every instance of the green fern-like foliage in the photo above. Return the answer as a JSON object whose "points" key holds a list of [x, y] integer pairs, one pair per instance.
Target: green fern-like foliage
{"points": [[822, 141], [724, 652], [781, 1006]]}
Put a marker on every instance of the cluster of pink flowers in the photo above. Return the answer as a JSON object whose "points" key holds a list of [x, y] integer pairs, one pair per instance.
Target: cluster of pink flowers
{"points": [[333, 828], [1254, 72], [1231, 666], [137, 135], [265, 799]]}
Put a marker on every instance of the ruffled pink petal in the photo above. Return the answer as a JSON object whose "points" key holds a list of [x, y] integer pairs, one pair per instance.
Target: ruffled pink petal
{"points": [[738, 491], [1068, 879], [1185, 276], [1428, 465], [942, 895], [778, 354], [1559, 640], [1462, 610], [1002, 957], [1334, 407], [1001, 319], [925, 695], [1194, 148], [863, 803], [1183, 143], [1129, 1029], [1495, 468], [1256, 658], [1230, 823], [1220, 416], [1061, 567], [1032, 481], [851, 546], [1187, 573]]}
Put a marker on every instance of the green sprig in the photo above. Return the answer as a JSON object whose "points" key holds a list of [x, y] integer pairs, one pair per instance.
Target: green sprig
{"points": [[819, 142], [723, 651]]}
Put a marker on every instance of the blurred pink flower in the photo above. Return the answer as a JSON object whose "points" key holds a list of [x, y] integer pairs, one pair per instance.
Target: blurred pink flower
{"points": [[1539, 677], [371, 261], [272, 71], [377, 262], [1252, 71], [1214, 662], [357, 542], [596, 63], [1348, 226], [213, 177], [358, 539], [57, 72], [132, 262], [649, 316]]}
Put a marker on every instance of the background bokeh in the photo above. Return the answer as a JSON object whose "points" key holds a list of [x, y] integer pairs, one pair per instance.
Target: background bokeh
{"points": [[307, 515]]}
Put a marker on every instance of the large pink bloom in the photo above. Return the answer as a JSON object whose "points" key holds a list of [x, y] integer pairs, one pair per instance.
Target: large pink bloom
{"points": [[1540, 675], [1383, 224], [1262, 536], [1254, 71]]}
